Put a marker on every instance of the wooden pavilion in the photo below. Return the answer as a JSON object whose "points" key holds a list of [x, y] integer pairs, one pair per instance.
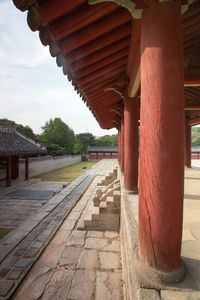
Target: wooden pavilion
{"points": [[13, 145], [133, 60], [96, 153]]}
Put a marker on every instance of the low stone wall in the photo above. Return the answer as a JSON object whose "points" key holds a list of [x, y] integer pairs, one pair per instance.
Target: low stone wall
{"points": [[45, 164], [129, 242]]}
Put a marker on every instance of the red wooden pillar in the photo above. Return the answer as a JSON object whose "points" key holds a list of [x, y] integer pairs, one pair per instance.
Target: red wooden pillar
{"points": [[122, 144], [119, 147], [26, 168], [187, 145], [131, 144], [9, 173], [15, 167], [161, 173]]}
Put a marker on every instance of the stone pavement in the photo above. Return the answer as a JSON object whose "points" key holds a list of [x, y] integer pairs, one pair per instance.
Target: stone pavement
{"points": [[22, 247], [24, 199]]}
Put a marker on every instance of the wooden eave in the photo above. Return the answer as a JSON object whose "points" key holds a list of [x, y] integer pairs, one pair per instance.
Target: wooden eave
{"points": [[98, 48]]}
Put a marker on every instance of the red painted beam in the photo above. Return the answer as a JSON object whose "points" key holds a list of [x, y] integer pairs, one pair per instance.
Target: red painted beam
{"points": [[192, 81], [105, 70], [135, 78], [106, 76], [92, 32], [194, 122], [99, 55], [102, 63], [51, 10], [100, 87], [135, 36], [80, 19], [99, 43], [192, 107]]}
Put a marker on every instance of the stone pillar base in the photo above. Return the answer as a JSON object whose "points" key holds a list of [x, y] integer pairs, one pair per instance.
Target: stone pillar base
{"points": [[131, 192], [149, 277]]}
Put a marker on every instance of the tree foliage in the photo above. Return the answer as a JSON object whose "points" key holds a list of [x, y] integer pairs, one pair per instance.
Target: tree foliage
{"points": [[83, 140], [195, 136], [58, 133], [107, 140], [25, 130]]}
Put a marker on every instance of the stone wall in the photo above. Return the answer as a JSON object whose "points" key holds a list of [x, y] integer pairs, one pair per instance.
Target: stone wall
{"points": [[40, 165]]}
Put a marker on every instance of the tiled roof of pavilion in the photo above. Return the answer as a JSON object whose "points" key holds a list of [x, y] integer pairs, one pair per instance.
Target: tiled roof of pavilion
{"points": [[14, 143], [98, 48], [102, 149]]}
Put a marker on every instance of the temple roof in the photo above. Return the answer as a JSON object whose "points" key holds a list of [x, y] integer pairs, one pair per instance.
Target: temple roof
{"points": [[98, 48], [14, 143], [102, 149]]}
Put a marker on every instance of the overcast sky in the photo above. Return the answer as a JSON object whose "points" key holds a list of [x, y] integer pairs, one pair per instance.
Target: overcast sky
{"points": [[32, 88]]}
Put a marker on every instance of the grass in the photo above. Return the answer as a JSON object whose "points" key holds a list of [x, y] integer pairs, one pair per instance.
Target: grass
{"points": [[2, 173], [67, 174], [3, 232]]}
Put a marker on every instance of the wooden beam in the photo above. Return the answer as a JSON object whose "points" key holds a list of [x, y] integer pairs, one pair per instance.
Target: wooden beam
{"points": [[51, 10], [90, 33], [79, 19], [135, 36], [192, 81], [135, 77], [103, 71], [100, 43], [194, 122], [99, 55], [192, 107], [106, 76], [102, 63]]}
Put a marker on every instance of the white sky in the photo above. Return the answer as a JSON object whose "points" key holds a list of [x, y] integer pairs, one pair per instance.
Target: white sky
{"points": [[32, 88]]}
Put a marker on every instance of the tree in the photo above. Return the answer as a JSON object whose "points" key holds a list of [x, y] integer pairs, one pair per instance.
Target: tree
{"points": [[58, 133], [107, 140], [195, 136], [25, 130], [83, 140]]}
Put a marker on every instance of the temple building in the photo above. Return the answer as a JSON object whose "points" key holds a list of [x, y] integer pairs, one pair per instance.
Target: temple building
{"points": [[14, 145], [135, 62]]}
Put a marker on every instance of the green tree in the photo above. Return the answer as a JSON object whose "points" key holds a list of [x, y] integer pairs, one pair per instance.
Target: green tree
{"points": [[107, 140], [195, 136], [83, 140], [25, 130], [58, 133]]}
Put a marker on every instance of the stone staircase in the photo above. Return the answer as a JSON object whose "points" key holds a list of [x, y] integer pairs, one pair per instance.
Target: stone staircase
{"points": [[108, 179], [106, 206]]}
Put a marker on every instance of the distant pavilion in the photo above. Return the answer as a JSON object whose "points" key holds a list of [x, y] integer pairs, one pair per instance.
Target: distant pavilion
{"points": [[96, 153], [13, 145]]}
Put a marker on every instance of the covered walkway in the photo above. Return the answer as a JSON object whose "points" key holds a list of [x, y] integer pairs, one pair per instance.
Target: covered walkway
{"points": [[76, 264]]}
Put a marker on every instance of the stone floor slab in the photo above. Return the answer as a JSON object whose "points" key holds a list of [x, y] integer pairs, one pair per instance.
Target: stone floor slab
{"points": [[59, 285], [109, 260], [108, 286], [88, 259], [83, 285], [95, 243], [70, 257], [179, 295]]}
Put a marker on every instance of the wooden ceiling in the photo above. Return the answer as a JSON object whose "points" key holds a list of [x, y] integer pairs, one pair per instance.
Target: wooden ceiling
{"points": [[97, 47]]}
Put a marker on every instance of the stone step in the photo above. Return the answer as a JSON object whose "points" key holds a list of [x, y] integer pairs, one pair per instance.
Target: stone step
{"points": [[96, 201], [117, 197], [107, 210], [99, 193], [95, 213], [110, 202]]}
